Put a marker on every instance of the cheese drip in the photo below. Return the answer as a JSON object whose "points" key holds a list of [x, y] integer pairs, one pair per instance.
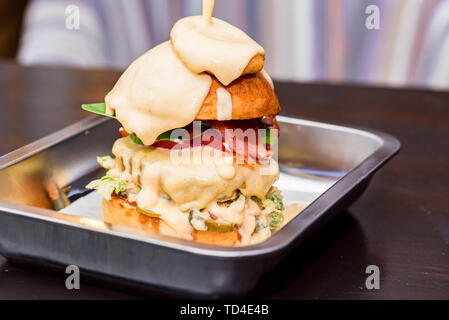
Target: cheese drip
{"points": [[208, 9], [188, 185], [224, 105], [157, 93], [216, 47]]}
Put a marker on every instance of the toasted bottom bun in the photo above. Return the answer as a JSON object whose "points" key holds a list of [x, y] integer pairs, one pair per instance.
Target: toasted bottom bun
{"points": [[119, 211]]}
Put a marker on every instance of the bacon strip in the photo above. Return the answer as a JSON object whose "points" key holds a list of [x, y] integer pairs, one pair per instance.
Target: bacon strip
{"points": [[242, 137]]}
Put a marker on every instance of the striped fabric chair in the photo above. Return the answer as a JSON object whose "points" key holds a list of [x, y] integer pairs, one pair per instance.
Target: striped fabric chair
{"points": [[305, 40]]}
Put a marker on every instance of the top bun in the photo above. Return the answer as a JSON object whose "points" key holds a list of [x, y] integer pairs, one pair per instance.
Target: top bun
{"points": [[255, 64], [252, 97]]}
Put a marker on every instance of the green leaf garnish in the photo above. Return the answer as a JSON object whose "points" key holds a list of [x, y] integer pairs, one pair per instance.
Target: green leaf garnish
{"points": [[270, 138], [163, 137], [278, 202], [135, 139], [166, 136], [276, 219], [100, 109], [97, 108]]}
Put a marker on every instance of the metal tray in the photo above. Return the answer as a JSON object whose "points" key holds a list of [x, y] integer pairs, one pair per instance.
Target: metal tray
{"points": [[326, 167]]}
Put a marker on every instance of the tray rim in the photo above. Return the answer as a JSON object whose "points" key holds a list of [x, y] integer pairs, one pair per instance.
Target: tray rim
{"points": [[389, 147]]}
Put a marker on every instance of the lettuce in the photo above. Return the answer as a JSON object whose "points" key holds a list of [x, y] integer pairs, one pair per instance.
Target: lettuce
{"points": [[106, 162], [108, 185]]}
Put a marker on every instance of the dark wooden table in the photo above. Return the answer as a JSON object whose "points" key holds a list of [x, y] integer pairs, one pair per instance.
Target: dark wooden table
{"points": [[401, 224]]}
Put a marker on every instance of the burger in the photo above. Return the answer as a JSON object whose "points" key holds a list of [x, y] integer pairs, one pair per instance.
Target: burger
{"points": [[196, 153]]}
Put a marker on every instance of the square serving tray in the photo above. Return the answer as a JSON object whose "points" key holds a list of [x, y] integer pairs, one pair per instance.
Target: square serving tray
{"points": [[324, 167]]}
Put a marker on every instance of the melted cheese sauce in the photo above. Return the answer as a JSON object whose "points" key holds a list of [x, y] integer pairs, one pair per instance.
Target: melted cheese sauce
{"points": [[189, 185], [290, 212], [172, 189], [157, 93], [174, 220], [267, 77], [215, 46], [208, 9], [231, 214], [224, 105]]}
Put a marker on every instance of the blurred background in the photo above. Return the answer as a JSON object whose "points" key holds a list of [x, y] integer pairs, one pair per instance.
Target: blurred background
{"points": [[398, 43]]}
